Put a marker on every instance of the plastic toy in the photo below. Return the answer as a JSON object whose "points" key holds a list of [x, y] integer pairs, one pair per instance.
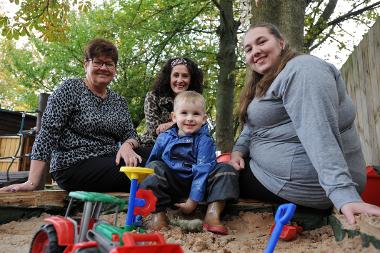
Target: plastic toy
{"points": [[283, 215], [223, 158], [92, 235], [289, 232], [372, 188]]}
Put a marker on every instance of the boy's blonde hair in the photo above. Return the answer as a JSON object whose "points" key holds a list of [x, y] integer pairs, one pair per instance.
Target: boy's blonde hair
{"points": [[190, 96]]}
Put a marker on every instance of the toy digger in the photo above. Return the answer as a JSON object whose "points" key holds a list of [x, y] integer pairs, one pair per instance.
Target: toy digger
{"points": [[91, 235]]}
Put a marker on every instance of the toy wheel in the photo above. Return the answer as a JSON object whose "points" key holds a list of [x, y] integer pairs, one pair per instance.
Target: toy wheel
{"points": [[46, 241]]}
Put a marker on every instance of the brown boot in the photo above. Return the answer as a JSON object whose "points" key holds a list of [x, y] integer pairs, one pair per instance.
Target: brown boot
{"points": [[158, 221], [212, 221]]}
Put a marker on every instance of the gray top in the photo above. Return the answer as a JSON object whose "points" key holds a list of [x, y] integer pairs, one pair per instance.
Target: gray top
{"points": [[79, 125], [301, 138]]}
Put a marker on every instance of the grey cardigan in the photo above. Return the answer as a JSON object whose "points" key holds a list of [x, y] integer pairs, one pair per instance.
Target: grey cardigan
{"points": [[300, 137]]}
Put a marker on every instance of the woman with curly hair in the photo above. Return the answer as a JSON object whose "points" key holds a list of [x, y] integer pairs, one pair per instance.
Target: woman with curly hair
{"points": [[177, 75]]}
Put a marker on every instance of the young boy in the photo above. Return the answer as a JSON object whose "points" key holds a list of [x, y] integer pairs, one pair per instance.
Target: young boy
{"points": [[183, 159]]}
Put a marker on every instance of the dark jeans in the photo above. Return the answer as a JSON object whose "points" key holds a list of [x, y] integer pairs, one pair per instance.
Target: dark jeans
{"points": [[169, 188]]}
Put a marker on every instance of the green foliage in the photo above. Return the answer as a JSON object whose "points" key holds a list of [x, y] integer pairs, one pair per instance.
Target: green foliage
{"points": [[48, 18], [146, 33]]}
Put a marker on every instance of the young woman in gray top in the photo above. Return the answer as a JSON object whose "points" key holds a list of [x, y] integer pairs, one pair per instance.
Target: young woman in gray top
{"points": [[298, 143]]}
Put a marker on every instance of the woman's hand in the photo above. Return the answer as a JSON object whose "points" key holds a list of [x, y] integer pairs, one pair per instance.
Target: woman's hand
{"points": [[187, 207], [350, 209], [237, 160], [163, 127], [128, 154], [26, 186], [36, 179]]}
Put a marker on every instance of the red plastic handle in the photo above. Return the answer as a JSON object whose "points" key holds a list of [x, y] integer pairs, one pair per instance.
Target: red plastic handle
{"points": [[150, 202], [130, 239]]}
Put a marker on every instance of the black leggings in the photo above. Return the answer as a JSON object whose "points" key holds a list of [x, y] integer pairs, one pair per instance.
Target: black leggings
{"points": [[250, 187]]}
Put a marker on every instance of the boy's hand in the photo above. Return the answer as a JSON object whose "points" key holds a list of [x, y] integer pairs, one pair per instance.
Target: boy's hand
{"points": [[187, 207]]}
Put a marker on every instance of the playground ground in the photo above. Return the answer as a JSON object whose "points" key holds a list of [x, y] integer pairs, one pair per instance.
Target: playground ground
{"points": [[249, 232]]}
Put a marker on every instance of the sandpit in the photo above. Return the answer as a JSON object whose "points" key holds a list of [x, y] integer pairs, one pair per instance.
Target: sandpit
{"points": [[249, 232]]}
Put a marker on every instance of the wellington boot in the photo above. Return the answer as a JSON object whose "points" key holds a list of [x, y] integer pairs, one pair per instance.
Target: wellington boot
{"points": [[158, 221], [212, 221]]}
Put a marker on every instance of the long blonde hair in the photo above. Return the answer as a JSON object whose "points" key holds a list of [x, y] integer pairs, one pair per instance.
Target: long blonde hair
{"points": [[258, 84]]}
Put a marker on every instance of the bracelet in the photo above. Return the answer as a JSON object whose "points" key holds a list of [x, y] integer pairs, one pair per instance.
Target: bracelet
{"points": [[29, 182], [131, 143]]}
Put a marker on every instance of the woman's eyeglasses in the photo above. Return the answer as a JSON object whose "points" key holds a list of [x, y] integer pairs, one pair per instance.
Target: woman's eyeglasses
{"points": [[98, 64]]}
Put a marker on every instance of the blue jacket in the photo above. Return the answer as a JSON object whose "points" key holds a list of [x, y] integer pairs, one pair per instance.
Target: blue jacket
{"points": [[191, 156]]}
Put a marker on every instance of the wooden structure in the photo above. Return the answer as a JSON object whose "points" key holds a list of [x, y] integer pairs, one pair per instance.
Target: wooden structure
{"points": [[14, 152], [362, 75], [16, 140], [11, 121], [34, 199]]}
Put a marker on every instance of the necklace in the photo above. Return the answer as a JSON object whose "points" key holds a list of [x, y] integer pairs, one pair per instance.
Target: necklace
{"points": [[102, 94]]}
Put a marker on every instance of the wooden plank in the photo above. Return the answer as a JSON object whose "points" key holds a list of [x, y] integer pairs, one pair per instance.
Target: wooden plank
{"points": [[9, 145], [368, 97], [4, 165], [375, 80], [33, 199], [374, 83], [362, 75]]}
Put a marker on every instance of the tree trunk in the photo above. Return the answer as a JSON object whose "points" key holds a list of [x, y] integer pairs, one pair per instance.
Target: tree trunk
{"points": [[287, 15], [226, 59]]}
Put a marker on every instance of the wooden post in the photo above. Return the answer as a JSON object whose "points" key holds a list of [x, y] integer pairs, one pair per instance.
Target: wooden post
{"points": [[42, 102]]}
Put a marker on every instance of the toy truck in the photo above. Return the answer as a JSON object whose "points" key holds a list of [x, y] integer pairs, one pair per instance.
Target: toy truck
{"points": [[93, 235]]}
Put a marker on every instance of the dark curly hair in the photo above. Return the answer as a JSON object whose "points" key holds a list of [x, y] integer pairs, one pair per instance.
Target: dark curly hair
{"points": [[100, 47], [161, 85]]}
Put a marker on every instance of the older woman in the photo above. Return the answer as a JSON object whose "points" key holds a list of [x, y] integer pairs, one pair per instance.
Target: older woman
{"points": [[82, 128], [299, 143], [177, 75]]}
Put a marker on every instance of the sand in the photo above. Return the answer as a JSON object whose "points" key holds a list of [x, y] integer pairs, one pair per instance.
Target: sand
{"points": [[249, 232]]}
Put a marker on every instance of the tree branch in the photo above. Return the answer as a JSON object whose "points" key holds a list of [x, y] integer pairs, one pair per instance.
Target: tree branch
{"points": [[317, 29], [353, 14], [307, 2], [321, 24], [321, 41], [216, 4]]}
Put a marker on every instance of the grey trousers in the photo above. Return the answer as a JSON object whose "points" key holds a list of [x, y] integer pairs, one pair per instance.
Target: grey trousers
{"points": [[222, 184]]}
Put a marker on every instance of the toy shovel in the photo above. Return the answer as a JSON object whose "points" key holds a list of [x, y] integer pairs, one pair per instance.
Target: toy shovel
{"points": [[283, 215]]}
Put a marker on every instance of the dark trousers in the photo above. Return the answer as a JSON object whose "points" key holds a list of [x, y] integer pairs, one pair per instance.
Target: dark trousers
{"points": [[98, 174], [169, 188]]}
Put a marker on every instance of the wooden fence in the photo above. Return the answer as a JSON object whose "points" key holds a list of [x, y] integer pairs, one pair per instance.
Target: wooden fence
{"points": [[362, 75]]}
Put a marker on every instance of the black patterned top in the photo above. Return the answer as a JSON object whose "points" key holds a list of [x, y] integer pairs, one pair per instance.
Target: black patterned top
{"points": [[78, 125], [157, 111]]}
